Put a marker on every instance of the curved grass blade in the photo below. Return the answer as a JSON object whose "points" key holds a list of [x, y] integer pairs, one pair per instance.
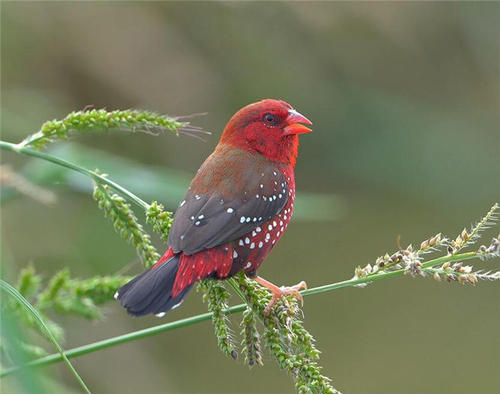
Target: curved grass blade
{"points": [[24, 302]]}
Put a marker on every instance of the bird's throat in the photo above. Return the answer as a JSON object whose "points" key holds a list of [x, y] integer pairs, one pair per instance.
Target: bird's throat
{"points": [[282, 150]]}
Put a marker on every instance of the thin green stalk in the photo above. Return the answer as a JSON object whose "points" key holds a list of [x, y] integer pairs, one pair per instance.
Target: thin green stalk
{"points": [[133, 336], [24, 302], [386, 275], [92, 174]]}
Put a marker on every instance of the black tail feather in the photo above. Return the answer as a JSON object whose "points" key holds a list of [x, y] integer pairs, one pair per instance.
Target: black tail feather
{"points": [[151, 291]]}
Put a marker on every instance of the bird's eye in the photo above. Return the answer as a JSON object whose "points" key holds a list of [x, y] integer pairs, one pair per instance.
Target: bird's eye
{"points": [[270, 119]]}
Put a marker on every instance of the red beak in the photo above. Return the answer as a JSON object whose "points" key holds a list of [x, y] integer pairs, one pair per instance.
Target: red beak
{"points": [[294, 122]]}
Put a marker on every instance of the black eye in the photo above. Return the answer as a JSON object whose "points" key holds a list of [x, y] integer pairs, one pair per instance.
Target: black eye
{"points": [[270, 119]]}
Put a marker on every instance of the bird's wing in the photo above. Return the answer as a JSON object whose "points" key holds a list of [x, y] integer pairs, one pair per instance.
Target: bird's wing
{"points": [[210, 219]]}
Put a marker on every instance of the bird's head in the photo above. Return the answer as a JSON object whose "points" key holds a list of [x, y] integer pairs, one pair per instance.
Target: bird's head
{"points": [[268, 127]]}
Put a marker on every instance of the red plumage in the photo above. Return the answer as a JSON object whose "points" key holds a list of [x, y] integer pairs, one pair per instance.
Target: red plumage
{"points": [[237, 207]]}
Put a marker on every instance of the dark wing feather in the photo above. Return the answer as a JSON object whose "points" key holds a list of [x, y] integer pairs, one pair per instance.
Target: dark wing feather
{"points": [[211, 219]]}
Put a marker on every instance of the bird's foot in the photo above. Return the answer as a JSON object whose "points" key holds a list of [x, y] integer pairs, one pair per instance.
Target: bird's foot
{"points": [[282, 291]]}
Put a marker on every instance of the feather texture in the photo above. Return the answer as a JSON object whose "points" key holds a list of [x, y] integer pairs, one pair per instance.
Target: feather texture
{"points": [[253, 192]]}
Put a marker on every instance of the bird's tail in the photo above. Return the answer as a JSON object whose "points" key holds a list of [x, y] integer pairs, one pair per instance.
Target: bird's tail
{"points": [[151, 291]]}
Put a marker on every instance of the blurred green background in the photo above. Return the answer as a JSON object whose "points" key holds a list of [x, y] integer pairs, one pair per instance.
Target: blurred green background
{"points": [[405, 102]]}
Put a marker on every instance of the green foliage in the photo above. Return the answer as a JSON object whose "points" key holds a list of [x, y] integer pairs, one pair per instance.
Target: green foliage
{"points": [[30, 350], [35, 315], [64, 295], [160, 219], [126, 224], [99, 289], [28, 282], [251, 338], [100, 119], [216, 297], [286, 338]]}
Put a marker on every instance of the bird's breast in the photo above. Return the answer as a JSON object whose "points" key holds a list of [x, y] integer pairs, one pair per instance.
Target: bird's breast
{"points": [[251, 249]]}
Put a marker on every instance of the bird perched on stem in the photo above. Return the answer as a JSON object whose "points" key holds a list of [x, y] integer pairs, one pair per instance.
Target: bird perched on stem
{"points": [[236, 209]]}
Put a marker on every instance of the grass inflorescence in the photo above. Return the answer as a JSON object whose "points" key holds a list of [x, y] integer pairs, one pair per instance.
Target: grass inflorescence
{"points": [[126, 223], [251, 338], [216, 297], [411, 260], [160, 219], [101, 119], [62, 294], [285, 337]]}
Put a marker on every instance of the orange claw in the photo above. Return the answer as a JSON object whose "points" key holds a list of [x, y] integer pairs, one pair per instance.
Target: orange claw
{"points": [[279, 292]]}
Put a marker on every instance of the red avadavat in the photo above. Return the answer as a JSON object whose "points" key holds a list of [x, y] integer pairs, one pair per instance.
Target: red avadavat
{"points": [[237, 207]]}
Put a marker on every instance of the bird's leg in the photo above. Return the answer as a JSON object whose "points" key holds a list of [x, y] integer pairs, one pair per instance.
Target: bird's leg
{"points": [[279, 292]]}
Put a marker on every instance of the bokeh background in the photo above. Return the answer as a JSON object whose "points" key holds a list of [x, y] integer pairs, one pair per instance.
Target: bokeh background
{"points": [[405, 101]]}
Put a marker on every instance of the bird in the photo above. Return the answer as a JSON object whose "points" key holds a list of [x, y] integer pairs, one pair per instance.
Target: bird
{"points": [[235, 210]]}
